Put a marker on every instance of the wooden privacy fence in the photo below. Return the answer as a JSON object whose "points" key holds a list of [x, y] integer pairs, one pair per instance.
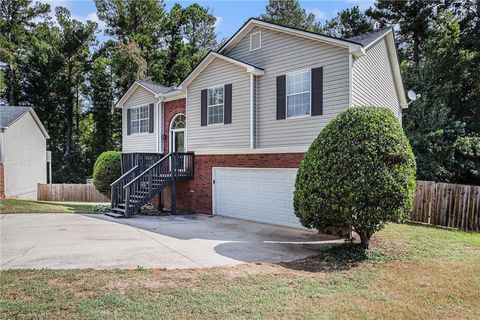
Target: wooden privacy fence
{"points": [[447, 204], [70, 192]]}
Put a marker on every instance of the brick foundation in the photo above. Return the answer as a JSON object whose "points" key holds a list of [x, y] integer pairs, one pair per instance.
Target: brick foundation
{"points": [[170, 110], [196, 195], [2, 182]]}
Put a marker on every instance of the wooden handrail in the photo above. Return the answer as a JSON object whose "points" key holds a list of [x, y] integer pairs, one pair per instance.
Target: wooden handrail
{"points": [[123, 176], [146, 171]]}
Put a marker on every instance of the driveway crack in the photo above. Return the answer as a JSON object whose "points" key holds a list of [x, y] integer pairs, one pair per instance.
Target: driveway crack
{"points": [[20, 256]]}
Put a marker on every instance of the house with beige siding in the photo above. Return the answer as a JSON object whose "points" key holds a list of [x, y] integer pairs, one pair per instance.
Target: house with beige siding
{"points": [[228, 139], [23, 155]]}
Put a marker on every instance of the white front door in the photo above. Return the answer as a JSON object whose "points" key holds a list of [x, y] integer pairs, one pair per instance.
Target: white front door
{"points": [[264, 195], [177, 138]]}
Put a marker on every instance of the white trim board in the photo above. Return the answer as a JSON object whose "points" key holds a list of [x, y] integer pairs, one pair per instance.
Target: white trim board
{"points": [[298, 149], [354, 47]]}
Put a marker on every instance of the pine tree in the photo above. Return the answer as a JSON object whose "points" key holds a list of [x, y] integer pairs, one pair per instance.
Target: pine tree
{"points": [[17, 18], [348, 23], [289, 13]]}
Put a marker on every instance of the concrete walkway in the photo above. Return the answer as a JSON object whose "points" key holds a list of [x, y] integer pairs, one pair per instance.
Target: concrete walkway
{"points": [[70, 241]]}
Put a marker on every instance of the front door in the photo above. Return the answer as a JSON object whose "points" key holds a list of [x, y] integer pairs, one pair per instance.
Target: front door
{"points": [[177, 138]]}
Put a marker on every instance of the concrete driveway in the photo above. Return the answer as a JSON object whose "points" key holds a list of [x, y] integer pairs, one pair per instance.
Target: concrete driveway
{"points": [[70, 241]]}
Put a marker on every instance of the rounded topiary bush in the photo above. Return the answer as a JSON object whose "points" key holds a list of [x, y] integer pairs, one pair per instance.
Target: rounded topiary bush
{"points": [[359, 173], [106, 170]]}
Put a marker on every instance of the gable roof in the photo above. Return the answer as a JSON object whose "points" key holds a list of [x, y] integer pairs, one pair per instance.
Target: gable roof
{"points": [[369, 38], [10, 114], [155, 89], [356, 45], [253, 69], [252, 22]]}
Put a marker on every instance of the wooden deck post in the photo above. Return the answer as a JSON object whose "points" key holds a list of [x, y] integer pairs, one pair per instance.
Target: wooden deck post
{"points": [[173, 209], [160, 201]]}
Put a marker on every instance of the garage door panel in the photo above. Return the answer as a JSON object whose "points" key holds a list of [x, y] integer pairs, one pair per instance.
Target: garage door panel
{"points": [[264, 195]]}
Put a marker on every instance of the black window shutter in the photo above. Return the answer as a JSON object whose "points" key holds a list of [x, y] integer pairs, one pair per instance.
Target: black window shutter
{"points": [[317, 91], [228, 104], [151, 118], [129, 122], [281, 97], [203, 108]]}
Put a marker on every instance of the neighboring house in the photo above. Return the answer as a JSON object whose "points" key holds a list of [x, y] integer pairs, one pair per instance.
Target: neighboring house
{"points": [[248, 112], [23, 155]]}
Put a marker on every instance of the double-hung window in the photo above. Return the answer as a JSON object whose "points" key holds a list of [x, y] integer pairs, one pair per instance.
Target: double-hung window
{"points": [[298, 94], [139, 120], [215, 105]]}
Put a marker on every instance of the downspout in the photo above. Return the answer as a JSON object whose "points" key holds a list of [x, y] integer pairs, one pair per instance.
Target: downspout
{"points": [[158, 139]]}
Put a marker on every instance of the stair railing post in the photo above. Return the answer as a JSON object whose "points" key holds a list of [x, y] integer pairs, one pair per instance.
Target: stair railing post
{"points": [[173, 209], [113, 197], [150, 182], [127, 202]]}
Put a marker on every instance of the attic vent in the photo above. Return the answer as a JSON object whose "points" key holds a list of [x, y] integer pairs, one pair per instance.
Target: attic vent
{"points": [[255, 41]]}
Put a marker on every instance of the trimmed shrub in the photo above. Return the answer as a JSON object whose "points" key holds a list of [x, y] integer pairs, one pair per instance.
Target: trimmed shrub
{"points": [[358, 173], [106, 170]]}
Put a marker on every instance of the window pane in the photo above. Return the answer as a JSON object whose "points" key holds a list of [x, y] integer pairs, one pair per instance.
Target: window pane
{"points": [[134, 114], [298, 94], [215, 100], [144, 125], [144, 112], [135, 127]]}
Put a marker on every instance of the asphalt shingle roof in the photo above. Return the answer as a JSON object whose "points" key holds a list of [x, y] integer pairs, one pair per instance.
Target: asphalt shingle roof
{"points": [[8, 114], [367, 38], [155, 87]]}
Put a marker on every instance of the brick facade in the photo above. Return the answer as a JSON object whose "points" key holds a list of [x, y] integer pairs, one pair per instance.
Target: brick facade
{"points": [[170, 110], [2, 182], [196, 195]]}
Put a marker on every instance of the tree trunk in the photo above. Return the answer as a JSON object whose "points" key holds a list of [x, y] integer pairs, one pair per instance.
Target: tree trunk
{"points": [[11, 86], [69, 107], [364, 239], [416, 49]]}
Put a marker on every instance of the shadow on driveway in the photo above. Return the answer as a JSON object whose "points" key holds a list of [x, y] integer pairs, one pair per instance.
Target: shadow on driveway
{"points": [[69, 241]]}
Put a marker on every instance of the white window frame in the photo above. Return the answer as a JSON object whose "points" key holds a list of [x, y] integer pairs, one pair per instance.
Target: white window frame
{"points": [[297, 93], [139, 120], [215, 105], [260, 42]]}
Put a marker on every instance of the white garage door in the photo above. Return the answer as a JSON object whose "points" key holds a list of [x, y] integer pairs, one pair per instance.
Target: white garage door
{"points": [[264, 195]]}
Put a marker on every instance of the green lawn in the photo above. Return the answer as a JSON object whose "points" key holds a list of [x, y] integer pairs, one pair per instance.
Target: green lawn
{"points": [[25, 206], [410, 272]]}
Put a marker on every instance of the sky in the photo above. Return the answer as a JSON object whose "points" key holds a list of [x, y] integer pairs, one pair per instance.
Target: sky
{"points": [[230, 14]]}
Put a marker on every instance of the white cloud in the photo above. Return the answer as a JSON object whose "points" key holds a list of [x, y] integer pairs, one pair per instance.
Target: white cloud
{"points": [[217, 22], [319, 14]]}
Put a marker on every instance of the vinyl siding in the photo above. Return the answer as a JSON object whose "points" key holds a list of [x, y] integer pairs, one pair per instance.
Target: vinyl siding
{"points": [[144, 142], [373, 82], [283, 53], [219, 136], [25, 163]]}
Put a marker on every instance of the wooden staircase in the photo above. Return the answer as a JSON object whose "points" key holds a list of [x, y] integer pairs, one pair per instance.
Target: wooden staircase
{"points": [[137, 186]]}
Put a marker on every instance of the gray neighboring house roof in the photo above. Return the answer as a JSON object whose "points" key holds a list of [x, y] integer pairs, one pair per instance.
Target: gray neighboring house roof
{"points": [[155, 87], [367, 38], [10, 114]]}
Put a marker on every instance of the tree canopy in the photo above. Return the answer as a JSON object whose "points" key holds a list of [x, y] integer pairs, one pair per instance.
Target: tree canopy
{"points": [[59, 67], [72, 79]]}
